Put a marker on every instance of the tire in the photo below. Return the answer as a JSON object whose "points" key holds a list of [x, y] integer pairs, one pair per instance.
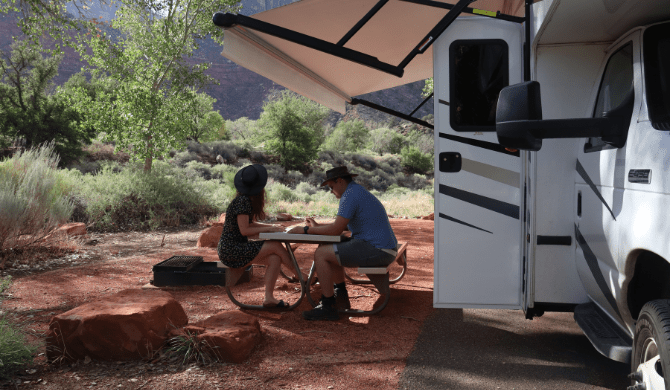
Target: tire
{"points": [[651, 346]]}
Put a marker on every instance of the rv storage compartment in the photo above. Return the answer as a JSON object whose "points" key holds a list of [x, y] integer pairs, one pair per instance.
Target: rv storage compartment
{"points": [[192, 271]]}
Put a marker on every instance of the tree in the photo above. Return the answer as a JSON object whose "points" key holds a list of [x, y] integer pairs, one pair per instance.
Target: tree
{"points": [[27, 109], [348, 136], [428, 87], [206, 125], [148, 112], [293, 128], [384, 140]]}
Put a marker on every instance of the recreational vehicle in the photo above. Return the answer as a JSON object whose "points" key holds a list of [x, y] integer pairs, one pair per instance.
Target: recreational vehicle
{"points": [[552, 145]]}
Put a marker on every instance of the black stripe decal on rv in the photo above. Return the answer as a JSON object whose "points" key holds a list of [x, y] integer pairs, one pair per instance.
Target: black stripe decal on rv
{"points": [[452, 219], [480, 144], [587, 179], [592, 262], [498, 206]]}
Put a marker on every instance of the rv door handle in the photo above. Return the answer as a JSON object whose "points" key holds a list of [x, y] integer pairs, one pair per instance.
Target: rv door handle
{"points": [[450, 162]]}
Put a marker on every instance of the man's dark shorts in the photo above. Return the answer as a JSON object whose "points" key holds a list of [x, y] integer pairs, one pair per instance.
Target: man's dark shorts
{"points": [[359, 253]]}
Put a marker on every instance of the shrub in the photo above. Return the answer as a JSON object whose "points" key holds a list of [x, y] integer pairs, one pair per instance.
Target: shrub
{"points": [[293, 127], [349, 136], [196, 168], [384, 140], [230, 151], [15, 351], [32, 196], [133, 199], [416, 161], [424, 142]]}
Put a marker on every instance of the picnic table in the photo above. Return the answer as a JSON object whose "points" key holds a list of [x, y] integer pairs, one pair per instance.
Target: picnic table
{"points": [[378, 276]]}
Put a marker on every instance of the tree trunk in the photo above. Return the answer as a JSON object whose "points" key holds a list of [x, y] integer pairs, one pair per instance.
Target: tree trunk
{"points": [[149, 159]]}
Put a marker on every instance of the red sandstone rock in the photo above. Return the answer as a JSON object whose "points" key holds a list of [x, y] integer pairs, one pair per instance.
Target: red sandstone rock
{"points": [[284, 217], [210, 237], [222, 218], [128, 325], [230, 335], [430, 217], [68, 230]]}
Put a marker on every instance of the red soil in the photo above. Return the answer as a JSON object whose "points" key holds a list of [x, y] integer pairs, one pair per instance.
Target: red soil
{"points": [[355, 352]]}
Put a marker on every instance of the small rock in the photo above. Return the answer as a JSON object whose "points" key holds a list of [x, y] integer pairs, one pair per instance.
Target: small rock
{"points": [[87, 359], [31, 372], [284, 217]]}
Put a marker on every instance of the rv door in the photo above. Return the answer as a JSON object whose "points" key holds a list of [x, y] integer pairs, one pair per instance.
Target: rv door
{"points": [[479, 185]]}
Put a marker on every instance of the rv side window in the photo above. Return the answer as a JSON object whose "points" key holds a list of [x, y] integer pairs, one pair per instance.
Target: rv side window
{"points": [[657, 74], [616, 84], [479, 69]]}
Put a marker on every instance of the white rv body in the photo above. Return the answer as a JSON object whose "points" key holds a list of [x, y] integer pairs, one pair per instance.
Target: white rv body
{"points": [[578, 225]]}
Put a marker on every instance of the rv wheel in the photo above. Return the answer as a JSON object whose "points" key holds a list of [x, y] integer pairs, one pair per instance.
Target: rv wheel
{"points": [[651, 347]]}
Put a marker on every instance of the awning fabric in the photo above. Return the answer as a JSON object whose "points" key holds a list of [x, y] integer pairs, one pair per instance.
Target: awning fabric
{"points": [[390, 36]]}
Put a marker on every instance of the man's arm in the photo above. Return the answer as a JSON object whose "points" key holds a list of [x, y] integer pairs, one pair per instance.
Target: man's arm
{"points": [[334, 228]]}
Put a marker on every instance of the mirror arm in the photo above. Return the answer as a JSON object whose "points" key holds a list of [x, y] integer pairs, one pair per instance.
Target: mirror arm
{"points": [[562, 128]]}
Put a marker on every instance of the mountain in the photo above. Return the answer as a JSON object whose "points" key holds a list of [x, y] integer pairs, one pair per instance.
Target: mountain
{"points": [[240, 93]]}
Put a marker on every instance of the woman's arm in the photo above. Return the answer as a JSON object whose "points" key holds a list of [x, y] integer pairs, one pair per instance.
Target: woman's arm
{"points": [[248, 229]]}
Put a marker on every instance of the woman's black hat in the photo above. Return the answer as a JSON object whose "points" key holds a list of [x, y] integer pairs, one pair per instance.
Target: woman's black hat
{"points": [[337, 172], [251, 179]]}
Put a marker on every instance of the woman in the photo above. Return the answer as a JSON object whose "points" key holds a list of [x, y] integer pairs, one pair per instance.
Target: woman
{"points": [[235, 250]]}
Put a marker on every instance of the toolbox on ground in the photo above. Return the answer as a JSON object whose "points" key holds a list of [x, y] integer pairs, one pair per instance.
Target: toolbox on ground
{"points": [[192, 271]]}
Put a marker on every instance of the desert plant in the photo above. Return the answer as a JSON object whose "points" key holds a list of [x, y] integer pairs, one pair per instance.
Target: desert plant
{"points": [[415, 160], [187, 348], [349, 136], [384, 140], [32, 197], [292, 135], [15, 351]]}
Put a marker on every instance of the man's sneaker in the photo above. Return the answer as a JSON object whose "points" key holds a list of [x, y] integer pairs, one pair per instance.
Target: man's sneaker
{"points": [[322, 312], [342, 299]]}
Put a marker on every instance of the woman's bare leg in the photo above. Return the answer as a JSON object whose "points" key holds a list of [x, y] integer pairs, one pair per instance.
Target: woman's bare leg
{"points": [[271, 274]]}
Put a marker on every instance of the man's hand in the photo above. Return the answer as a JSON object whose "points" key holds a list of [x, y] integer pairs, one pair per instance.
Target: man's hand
{"points": [[297, 230], [311, 222]]}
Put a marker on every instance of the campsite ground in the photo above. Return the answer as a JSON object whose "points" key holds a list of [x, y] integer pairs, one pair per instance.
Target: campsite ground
{"points": [[360, 353], [459, 349]]}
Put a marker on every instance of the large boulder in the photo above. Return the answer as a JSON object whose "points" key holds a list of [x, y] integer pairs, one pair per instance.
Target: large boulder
{"points": [[129, 325], [210, 236], [231, 336]]}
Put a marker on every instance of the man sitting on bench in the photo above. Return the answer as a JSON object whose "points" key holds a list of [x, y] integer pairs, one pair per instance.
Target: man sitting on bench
{"points": [[372, 243]]}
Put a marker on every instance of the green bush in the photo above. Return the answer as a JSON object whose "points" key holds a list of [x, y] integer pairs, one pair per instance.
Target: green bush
{"points": [[384, 140], [15, 351], [129, 198], [33, 196], [349, 136], [294, 128], [416, 161]]}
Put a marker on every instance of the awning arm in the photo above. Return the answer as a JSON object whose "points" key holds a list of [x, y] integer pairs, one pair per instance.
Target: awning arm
{"points": [[474, 11], [422, 103], [362, 22], [355, 101], [228, 20]]}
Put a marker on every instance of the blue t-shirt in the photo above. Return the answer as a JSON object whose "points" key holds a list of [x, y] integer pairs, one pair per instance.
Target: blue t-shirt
{"points": [[367, 217]]}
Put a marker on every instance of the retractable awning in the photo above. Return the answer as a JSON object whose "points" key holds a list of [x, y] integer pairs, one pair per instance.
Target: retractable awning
{"points": [[333, 50]]}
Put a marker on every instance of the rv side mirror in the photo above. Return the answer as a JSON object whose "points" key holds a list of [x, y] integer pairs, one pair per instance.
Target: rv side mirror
{"points": [[519, 121], [518, 104]]}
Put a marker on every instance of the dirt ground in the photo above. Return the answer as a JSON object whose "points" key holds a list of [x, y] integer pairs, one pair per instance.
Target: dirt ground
{"points": [[355, 352]]}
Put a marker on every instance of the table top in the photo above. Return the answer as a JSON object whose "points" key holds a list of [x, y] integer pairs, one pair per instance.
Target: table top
{"points": [[300, 238]]}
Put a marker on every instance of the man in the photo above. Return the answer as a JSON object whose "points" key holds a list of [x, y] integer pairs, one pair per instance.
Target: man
{"points": [[372, 243]]}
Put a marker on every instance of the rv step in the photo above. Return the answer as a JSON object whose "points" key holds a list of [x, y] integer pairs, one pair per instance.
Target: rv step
{"points": [[603, 333]]}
